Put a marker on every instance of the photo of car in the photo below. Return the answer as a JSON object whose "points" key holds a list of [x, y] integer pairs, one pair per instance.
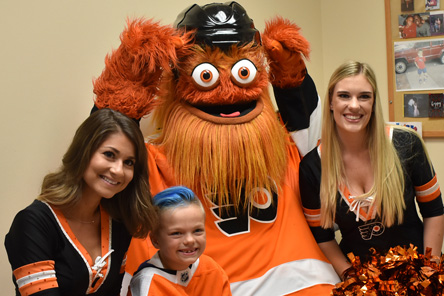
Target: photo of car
{"points": [[406, 52]]}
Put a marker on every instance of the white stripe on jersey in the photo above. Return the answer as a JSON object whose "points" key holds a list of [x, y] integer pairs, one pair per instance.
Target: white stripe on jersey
{"points": [[308, 138], [429, 191], [287, 278], [46, 274]]}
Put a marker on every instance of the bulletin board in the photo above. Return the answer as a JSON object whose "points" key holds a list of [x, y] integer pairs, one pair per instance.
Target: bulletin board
{"points": [[416, 94]]}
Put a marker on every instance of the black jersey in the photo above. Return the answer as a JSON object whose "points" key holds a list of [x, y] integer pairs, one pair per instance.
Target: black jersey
{"points": [[47, 259], [360, 227]]}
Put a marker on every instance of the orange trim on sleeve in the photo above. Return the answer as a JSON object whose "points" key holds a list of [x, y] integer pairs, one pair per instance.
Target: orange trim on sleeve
{"points": [[428, 191], [37, 286], [32, 268], [313, 217], [35, 277], [312, 211]]}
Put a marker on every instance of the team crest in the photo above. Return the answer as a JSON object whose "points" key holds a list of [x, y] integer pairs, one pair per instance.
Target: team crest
{"points": [[372, 229], [262, 208]]}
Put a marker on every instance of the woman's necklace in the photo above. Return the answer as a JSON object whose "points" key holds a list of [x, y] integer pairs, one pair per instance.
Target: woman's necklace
{"points": [[80, 221], [85, 222]]}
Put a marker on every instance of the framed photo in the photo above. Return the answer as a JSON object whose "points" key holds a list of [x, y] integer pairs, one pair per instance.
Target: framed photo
{"points": [[436, 23], [414, 25], [407, 5], [431, 4], [416, 105], [419, 65], [436, 105]]}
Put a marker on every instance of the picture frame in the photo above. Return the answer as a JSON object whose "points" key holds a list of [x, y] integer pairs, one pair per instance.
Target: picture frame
{"points": [[432, 4], [404, 79], [406, 72]]}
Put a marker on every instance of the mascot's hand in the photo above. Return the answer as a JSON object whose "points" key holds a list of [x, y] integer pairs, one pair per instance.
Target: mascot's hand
{"points": [[285, 48], [132, 73]]}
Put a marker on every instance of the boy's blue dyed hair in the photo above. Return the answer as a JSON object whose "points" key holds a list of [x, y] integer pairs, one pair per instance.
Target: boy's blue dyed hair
{"points": [[175, 196]]}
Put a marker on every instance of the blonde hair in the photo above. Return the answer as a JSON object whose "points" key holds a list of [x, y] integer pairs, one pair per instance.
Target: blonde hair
{"points": [[388, 188]]}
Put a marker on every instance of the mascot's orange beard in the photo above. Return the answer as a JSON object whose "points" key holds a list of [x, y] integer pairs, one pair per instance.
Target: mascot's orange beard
{"points": [[221, 161]]}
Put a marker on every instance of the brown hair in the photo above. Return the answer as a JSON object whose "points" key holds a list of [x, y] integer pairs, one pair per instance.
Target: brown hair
{"points": [[132, 206]]}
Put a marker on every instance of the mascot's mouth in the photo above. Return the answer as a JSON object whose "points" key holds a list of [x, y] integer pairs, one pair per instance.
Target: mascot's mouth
{"points": [[229, 111], [227, 114]]}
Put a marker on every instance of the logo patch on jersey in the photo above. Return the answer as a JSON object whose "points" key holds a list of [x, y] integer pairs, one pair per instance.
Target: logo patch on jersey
{"points": [[372, 229], [184, 277], [262, 208]]}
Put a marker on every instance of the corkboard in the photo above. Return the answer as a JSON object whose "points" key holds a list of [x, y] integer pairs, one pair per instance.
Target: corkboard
{"points": [[431, 127]]}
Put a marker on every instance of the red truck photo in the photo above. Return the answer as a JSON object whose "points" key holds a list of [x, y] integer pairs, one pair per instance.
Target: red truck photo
{"points": [[406, 52]]}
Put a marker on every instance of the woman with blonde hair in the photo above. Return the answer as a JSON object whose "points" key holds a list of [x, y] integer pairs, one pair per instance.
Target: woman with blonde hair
{"points": [[366, 177], [73, 239]]}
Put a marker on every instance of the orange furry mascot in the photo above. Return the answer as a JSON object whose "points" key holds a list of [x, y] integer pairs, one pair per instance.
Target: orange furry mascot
{"points": [[206, 82]]}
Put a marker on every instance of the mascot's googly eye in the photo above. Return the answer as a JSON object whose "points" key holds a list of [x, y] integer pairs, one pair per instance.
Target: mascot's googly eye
{"points": [[243, 72], [205, 76]]}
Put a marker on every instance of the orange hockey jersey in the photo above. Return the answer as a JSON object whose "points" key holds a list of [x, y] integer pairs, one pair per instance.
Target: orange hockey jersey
{"points": [[204, 277], [268, 251]]}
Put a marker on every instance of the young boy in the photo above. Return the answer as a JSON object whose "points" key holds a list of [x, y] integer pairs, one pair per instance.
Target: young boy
{"points": [[179, 268], [420, 64]]}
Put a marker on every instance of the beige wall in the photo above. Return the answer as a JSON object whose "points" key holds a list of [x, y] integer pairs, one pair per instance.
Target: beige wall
{"points": [[51, 50]]}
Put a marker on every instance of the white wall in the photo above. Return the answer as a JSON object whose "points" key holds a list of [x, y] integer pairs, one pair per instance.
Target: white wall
{"points": [[51, 51]]}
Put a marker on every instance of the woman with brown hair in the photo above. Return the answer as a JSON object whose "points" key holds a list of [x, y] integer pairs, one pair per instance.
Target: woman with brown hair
{"points": [[73, 239]]}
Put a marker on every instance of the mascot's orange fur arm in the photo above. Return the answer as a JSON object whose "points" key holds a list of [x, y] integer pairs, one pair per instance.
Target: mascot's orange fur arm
{"points": [[133, 72], [285, 47]]}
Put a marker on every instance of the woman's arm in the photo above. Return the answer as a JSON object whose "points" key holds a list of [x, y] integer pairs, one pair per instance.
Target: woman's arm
{"points": [[434, 234], [30, 248], [334, 254], [428, 194]]}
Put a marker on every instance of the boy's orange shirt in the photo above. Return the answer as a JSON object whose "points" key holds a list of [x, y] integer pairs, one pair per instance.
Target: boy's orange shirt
{"points": [[273, 249], [206, 277]]}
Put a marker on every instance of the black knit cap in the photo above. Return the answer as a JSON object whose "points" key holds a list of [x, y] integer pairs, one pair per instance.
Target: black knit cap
{"points": [[219, 24]]}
